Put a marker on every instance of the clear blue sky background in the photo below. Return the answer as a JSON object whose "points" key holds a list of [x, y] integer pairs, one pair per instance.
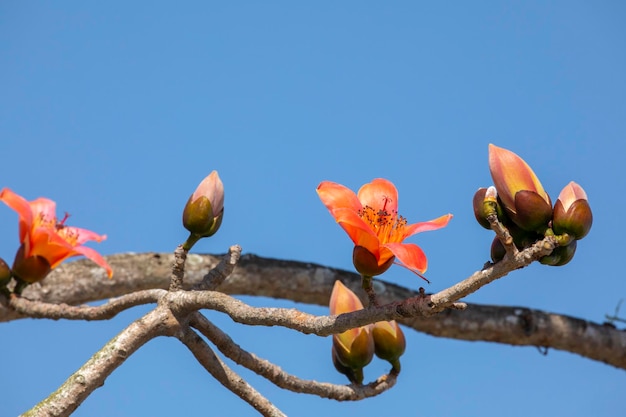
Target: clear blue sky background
{"points": [[116, 110]]}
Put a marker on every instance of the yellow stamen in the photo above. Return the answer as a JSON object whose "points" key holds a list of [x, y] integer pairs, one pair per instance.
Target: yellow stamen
{"points": [[389, 227], [43, 221]]}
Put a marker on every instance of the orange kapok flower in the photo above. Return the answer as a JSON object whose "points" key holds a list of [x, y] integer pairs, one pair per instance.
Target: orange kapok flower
{"points": [[46, 242], [371, 219]]}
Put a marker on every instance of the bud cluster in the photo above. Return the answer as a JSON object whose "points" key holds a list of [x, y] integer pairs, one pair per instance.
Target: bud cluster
{"points": [[355, 348], [522, 205]]}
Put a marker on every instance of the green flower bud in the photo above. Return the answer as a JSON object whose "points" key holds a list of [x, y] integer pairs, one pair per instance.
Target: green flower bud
{"points": [[485, 196], [353, 348], [204, 210], [389, 342], [354, 375], [560, 255], [572, 213]]}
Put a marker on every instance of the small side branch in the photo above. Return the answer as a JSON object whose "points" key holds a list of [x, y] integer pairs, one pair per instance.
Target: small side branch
{"points": [[41, 310], [283, 379], [227, 376], [217, 275], [479, 279], [178, 269], [503, 234]]}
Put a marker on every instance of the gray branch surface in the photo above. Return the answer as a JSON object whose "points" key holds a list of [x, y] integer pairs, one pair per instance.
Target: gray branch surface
{"points": [[81, 281]]}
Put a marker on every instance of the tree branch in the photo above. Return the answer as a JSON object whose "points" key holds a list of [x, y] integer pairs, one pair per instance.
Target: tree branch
{"points": [[80, 282], [94, 372], [281, 378], [40, 309], [226, 376]]}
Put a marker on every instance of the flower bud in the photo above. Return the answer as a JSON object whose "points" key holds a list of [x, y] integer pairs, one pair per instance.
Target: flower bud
{"points": [[497, 250], [481, 197], [366, 263], [524, 199], [204, 210], [31, 269], [572, 213], [353, 348], [389, 342], [5, 273], [560, 255], [354, 375]]}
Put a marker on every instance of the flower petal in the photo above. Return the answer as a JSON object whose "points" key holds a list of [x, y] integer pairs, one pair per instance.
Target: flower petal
{"points": [[410, 256], [22, 207], [335, 196], [434, 224], [78, 236], [380, 194], [359, 232], [90, 253]]}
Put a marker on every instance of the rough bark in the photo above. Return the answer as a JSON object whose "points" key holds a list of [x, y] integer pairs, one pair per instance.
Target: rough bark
{"points": [[79, 282]]}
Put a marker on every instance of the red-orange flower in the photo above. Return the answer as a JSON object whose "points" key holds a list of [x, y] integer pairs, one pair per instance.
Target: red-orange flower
{"points": [[46, 242], [372, 221]]}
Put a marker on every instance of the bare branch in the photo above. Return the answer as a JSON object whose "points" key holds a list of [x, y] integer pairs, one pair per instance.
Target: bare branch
{"points": [[295, 319], [93, 373], [283, 379], [418, 306], [217, 275], [479, 279], [178, 269], [39, 309], [226, 376], [81, 281]]}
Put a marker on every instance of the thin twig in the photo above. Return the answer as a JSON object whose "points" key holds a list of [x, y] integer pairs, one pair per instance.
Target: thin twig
{"points": [[283, 379], [226, 376], [178, 269], [503, 234], [217, 275], [41, 310]]}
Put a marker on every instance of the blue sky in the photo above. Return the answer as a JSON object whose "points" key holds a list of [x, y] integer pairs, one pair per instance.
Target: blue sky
{"points": [[117, 110]]}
